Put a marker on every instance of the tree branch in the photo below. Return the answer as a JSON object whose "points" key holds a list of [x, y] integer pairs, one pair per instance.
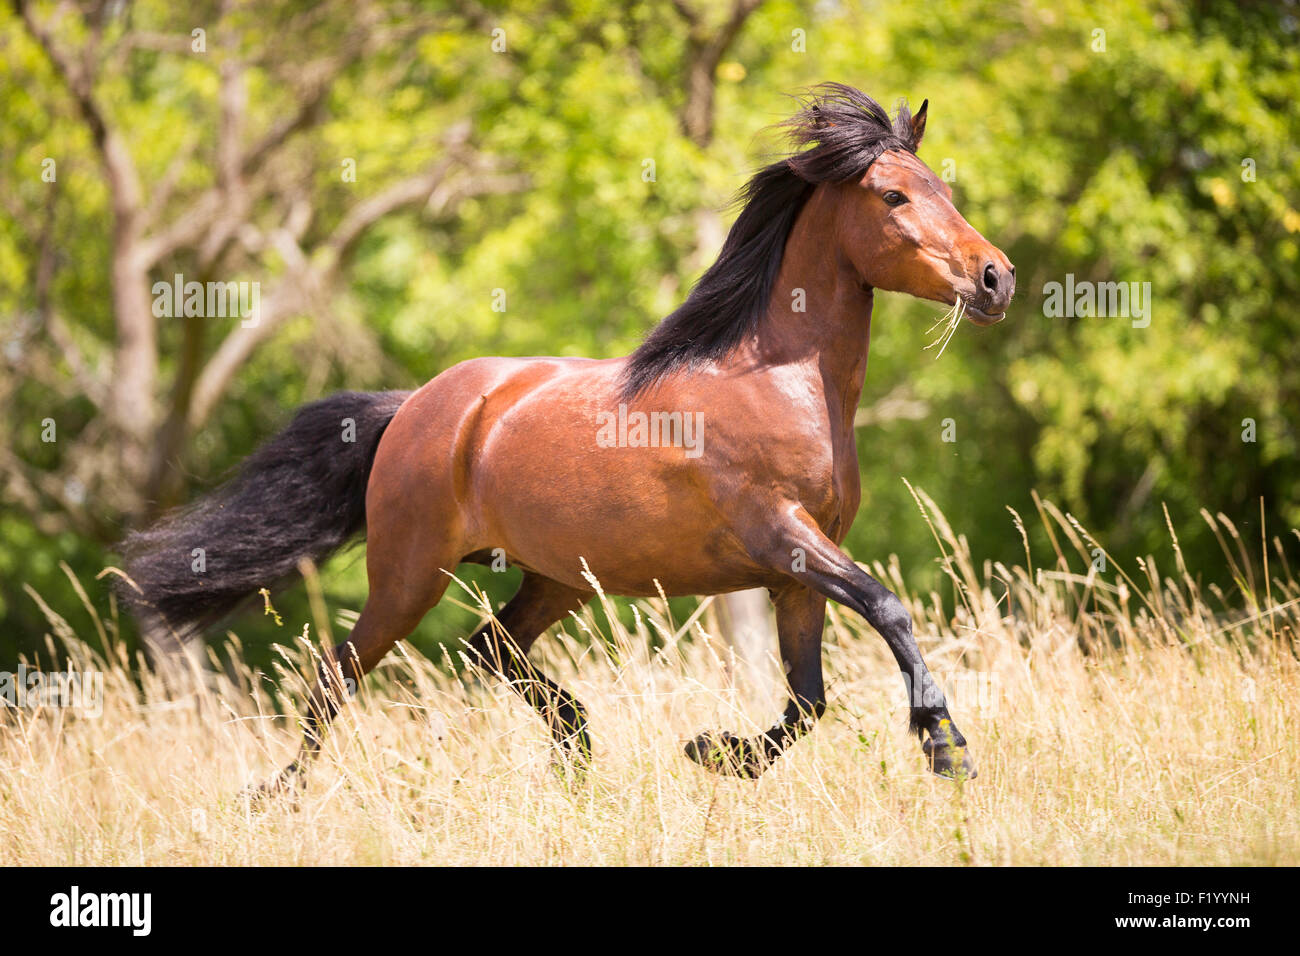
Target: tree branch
{"points": [[704, 51], [124, 182], [310, 275]]}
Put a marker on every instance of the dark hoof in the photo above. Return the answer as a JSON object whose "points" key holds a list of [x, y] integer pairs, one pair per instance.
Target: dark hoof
{"points": [[725, 753], [950, 760]]}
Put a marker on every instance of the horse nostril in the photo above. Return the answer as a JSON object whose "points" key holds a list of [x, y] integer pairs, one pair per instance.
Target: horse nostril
{"points": [[990, 278]]}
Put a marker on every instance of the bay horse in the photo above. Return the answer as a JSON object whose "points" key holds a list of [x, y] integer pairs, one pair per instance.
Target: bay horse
{"points": [[767, 356]]}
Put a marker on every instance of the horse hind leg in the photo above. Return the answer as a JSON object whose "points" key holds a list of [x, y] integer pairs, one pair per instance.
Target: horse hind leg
{"points": [[501, 647], [394, 607]]}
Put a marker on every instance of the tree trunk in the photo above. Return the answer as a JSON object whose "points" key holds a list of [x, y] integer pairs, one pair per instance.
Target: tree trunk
{"points": [[749, 627]]}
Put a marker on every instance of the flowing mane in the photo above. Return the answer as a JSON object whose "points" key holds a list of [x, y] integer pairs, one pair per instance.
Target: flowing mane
{"points": [[846, 131]]}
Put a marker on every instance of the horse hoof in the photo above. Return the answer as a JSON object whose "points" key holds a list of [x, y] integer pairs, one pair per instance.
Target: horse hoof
{"points": [[726, 754], [950, 760]]}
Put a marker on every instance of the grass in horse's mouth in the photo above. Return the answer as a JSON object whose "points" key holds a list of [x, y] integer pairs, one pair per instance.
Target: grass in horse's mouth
{"points": [[953, 319]]}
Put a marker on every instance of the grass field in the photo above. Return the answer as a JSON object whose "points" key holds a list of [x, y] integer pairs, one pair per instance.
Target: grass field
{"points": [[1117, 717]]}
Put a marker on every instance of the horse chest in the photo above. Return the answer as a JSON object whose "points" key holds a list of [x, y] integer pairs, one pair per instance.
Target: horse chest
{"points": [[826, 482]]}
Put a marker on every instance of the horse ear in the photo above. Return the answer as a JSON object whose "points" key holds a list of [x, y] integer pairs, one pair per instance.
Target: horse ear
{"points": [[918, 123], [819, 121]]}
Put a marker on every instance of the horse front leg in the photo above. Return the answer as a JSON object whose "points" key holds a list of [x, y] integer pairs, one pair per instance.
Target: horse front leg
{"points": [[800, 549], [800, 615]]}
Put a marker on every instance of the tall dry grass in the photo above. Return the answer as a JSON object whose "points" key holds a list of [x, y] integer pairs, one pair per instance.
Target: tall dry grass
{"points": [[1117, 717]]}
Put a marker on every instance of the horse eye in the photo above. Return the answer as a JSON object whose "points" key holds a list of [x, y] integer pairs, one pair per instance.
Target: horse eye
{"points": [[893, 198]]}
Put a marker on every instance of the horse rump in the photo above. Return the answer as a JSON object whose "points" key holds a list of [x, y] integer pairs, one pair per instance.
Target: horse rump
{"points": [[300, 495]]}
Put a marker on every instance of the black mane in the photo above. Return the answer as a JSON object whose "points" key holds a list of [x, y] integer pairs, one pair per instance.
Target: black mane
{"points": [[847, 131]]}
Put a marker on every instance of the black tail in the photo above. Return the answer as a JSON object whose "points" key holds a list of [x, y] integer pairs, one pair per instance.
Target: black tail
{"points": [[300, 495]]}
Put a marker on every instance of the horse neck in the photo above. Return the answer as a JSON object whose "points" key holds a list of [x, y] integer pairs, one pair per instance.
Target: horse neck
{"points": [[832, 334]]}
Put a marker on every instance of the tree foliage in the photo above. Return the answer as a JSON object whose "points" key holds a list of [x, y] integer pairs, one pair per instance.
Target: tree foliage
{"points": [[578, 156]]}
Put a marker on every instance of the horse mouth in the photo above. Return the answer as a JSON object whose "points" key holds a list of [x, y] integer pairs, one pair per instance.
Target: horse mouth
{"points": [[980, 317]]}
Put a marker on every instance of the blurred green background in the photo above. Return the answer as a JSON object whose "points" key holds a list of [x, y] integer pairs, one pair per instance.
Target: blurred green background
{"points": [[499, 147]]}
